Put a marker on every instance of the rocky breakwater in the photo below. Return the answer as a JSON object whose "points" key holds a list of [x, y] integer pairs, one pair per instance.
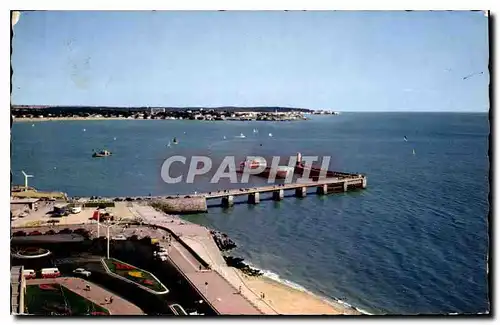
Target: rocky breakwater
{"points": [[223, 242], [237, 262], [181, 205]]}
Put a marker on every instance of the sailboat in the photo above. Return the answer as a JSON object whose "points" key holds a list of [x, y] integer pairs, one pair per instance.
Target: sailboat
{"points": [[224, 137], [255, 131], [241, 136], [413, 151], [270, 134], [168, 145]]}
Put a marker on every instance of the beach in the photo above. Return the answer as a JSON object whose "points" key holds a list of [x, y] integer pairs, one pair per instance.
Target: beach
{"points": [[286, 300]]}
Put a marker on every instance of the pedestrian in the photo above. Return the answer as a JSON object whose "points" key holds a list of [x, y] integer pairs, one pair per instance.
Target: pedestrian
{"points": [[106, 300], [239, 289], [111, 299]]}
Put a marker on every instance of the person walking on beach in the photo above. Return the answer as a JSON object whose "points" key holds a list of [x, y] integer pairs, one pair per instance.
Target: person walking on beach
{"points": [[111, 299], [239, 290]]}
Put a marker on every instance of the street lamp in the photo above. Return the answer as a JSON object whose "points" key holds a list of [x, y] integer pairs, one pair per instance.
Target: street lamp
{"points": [[107, 239]]}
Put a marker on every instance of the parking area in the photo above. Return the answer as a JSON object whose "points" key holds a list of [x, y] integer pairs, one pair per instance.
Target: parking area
{"points": [[43, 215]]}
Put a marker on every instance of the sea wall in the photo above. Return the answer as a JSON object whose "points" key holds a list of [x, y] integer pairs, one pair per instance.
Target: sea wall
{"points": [[181, 205]]}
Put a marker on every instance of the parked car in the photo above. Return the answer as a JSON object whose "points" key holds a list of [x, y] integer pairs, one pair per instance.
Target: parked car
{"points": [[29, 274], [83, 272], [19, 233], [51, 272], [76, 210], [119, 237], [66, 231], [50, 232], [35, 233]]}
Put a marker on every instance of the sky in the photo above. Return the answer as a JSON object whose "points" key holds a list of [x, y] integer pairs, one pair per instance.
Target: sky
{"points": [[344, 61]]}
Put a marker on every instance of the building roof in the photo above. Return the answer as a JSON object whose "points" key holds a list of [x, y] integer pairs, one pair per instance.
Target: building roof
{"points": [[23, 201]]}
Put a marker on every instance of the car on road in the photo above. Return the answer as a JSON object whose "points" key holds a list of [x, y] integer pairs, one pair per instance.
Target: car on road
{"points": [[83, 272], [119, 237], [76, 210]]}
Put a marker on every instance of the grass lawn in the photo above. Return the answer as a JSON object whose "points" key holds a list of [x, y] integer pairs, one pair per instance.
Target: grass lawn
{"points": [[57, 299], [130, 272]]}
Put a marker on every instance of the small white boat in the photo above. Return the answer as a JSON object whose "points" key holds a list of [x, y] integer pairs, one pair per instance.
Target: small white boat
{"points": [[32, 125], [224, 137], [84, 130], [413, 151], [168, 145], [255, 131], [270, 134], [241, 136], [114, 138]]}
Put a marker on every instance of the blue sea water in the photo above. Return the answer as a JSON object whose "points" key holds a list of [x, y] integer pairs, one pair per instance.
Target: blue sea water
{"points": [[415, 241]]}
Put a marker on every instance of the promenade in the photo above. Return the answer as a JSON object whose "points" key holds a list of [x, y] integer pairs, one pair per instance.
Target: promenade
{"points": [[219, 292]]}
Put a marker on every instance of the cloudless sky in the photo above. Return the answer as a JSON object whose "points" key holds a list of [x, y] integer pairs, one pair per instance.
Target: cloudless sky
{"points": [[346, 61]]}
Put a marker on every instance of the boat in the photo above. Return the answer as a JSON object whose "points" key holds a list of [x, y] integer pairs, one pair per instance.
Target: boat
{"points": [[102, 153], [252, 163], [284, 171], [241, 136], [255, 131], [270, 134], [174, 141]]}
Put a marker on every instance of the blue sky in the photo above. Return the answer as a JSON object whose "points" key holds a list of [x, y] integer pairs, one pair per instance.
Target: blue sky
{"points": [[346, 61]]}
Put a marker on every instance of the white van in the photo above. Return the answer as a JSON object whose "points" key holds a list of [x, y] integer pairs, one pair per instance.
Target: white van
{"points": [[76, 209], [51, 272], [29, 274]]}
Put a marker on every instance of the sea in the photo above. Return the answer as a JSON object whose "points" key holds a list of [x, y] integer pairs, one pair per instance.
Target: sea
{"points": [[415, 241]]}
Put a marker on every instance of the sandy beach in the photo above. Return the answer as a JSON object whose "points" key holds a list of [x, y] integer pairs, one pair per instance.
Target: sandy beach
{"points": [[290, 301]]}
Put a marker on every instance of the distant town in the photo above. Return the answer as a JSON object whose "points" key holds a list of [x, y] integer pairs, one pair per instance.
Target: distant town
{"points": [[167, 113]]}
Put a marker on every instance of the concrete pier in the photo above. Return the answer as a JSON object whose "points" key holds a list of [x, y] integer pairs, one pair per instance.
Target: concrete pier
{"points": [[278, 195], [301, 191], [322, 189], [254, 198], [227, 201]]}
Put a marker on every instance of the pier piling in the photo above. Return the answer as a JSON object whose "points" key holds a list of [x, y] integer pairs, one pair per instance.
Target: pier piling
{"points": [[301, 191], [278, 195], [322, 190], [227, 201], [254, 198]]}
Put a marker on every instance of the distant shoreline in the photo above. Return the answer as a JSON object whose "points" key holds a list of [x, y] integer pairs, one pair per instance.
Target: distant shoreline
{"points": [[48, 119]]}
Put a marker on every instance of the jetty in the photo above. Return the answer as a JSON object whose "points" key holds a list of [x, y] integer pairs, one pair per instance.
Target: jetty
{"points": [[328, 185]]}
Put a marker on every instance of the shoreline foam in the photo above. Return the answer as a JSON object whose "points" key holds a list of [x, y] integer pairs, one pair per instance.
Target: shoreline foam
{"points": [[335, 302]]}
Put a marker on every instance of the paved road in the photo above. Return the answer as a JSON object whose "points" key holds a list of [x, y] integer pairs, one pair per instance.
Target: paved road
{"points": [[219, 292], [97, 295]]}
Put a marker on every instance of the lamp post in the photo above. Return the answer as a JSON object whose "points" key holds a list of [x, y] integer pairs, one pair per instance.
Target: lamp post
{"points": [[107, 239]]}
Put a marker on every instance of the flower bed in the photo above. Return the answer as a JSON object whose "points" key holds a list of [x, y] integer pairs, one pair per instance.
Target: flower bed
{"points": [[138, 276]]}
